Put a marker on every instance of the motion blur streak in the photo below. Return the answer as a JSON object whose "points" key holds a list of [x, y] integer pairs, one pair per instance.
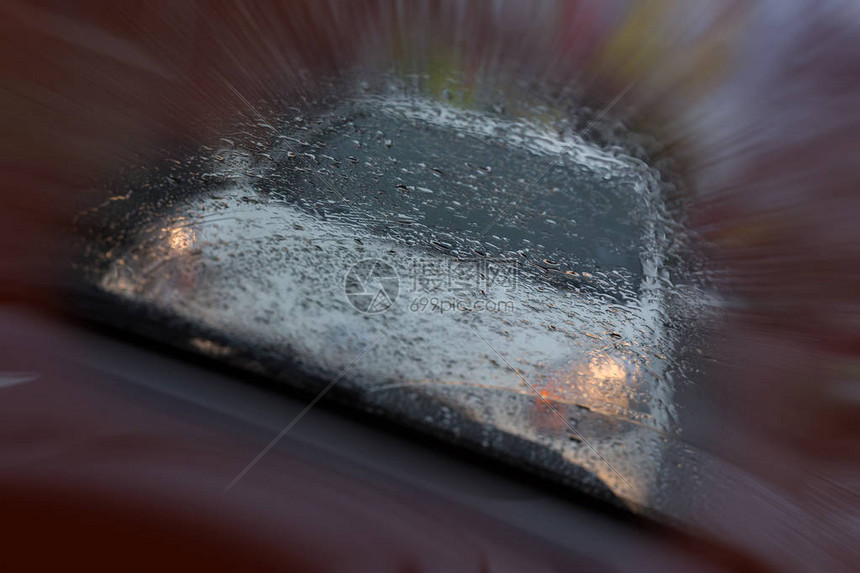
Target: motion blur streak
{"points": [[757, 104]]}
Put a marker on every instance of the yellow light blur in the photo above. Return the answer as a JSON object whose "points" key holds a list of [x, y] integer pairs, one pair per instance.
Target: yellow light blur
{"points": [[181, 239]]}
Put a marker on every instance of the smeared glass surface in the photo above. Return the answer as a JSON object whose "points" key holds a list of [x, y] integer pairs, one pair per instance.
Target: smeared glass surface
{"points": [[471, 207]]}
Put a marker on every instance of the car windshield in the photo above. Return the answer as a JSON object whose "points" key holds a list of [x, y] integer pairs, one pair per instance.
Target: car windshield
{"points": [[606, 246], [463, 261]]}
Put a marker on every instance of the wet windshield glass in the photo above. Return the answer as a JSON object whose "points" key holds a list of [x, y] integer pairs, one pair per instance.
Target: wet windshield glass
{"points": [[462, 262], [613, 243]]}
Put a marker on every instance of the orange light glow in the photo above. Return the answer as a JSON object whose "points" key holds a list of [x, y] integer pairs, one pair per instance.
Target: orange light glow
{"points": [[181, 239]]}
